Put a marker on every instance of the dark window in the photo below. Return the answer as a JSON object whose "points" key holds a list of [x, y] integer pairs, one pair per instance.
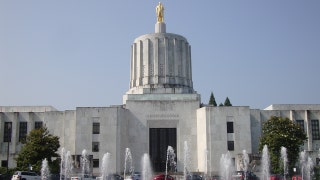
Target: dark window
{"points": [[4, 163], [96, 128], [38, 124], [23, 131], [95, 146], [315, 129], [95, 163], [230, 127], [7, 132], [300, 123], [230, 145]]}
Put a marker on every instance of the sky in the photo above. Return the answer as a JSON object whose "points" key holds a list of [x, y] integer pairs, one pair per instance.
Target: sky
{"points": [[76, 53]]}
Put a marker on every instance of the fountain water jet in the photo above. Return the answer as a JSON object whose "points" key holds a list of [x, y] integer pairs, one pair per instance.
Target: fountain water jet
{"points": [[245, 160], [128, 162], [147, 172], [284, 159], [186, 159], [85, 163], [265, 163], [171, 156], [65, 165], [306, 165], [62, 164], [45, 173], [226, 166], [104, 171]]}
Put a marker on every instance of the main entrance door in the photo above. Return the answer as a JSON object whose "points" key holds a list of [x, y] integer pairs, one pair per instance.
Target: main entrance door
{"points": [[160, 139]]}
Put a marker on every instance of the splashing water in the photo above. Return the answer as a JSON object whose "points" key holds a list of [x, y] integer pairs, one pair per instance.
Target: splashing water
{"points": [[146, 167], [65, 165], [128, 163], [104, 171], [68, 166], [226, 166], [45, 173], [306, 165], [302, 161], [206, 162], [171, 156], [186, 159], [62, 164], [265, 163], [85, 163], [245, 160], [284, 159]]}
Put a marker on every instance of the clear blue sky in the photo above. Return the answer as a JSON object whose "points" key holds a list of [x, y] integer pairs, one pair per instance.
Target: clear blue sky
{"points": [[76, 53]]}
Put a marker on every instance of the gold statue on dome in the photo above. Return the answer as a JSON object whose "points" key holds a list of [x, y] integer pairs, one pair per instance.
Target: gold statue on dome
{"points": [[160, 13]]}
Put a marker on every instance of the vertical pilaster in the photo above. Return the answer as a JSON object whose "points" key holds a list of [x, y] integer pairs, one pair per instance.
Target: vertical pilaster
{"points": [[309, 129]]}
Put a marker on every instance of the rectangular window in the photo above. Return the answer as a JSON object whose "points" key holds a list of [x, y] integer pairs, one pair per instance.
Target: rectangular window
{"points": [[4, 163], [96, 128], [230, 127], [315, 129], [95, 163], [38, 124], [230, 145], [95, 146], [300, 123], [23, 131], [7, 132]]}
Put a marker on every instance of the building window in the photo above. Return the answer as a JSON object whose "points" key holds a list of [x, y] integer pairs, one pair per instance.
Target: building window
{"points": [[4, 163], [23, 131], [7, 132], [315, 129], [38, 124], [230, 145], [95, 146], [95, 163], [230, 127], [300, 123], [96, 128]]}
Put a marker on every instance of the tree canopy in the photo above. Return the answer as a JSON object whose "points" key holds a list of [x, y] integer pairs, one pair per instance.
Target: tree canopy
{"points": [[39, 144], [227, 102], [280, 132], [212, 100]]}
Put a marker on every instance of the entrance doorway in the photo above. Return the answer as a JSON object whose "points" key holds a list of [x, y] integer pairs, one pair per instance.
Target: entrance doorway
{"points": [[159, 140]]}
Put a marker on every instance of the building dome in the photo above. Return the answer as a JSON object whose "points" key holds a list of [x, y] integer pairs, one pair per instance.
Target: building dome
{"points": [[161, 64]]}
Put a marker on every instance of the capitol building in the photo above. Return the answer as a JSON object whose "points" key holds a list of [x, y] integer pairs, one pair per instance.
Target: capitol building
{"points": [[160, 109]]}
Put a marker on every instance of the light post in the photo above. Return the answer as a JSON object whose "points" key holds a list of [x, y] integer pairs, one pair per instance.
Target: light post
{"points": [[9, 139]]}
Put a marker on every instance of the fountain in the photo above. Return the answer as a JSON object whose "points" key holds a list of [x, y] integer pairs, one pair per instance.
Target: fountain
{"points": [[62, 164], [265, 163], [306, 165], [206, 162], [146, 167], [104, 170], [85, 163], [45, 173], [245, 160], [302, 161], [65, 165], [226, 166], [284, 159], [128, 164], [186, 159], [171, 156]]}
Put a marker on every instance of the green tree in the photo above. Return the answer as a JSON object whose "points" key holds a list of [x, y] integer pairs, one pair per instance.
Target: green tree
{"points": [[212, 100], [39, 144], [278, 132], [227, 102], [220, 104]]}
